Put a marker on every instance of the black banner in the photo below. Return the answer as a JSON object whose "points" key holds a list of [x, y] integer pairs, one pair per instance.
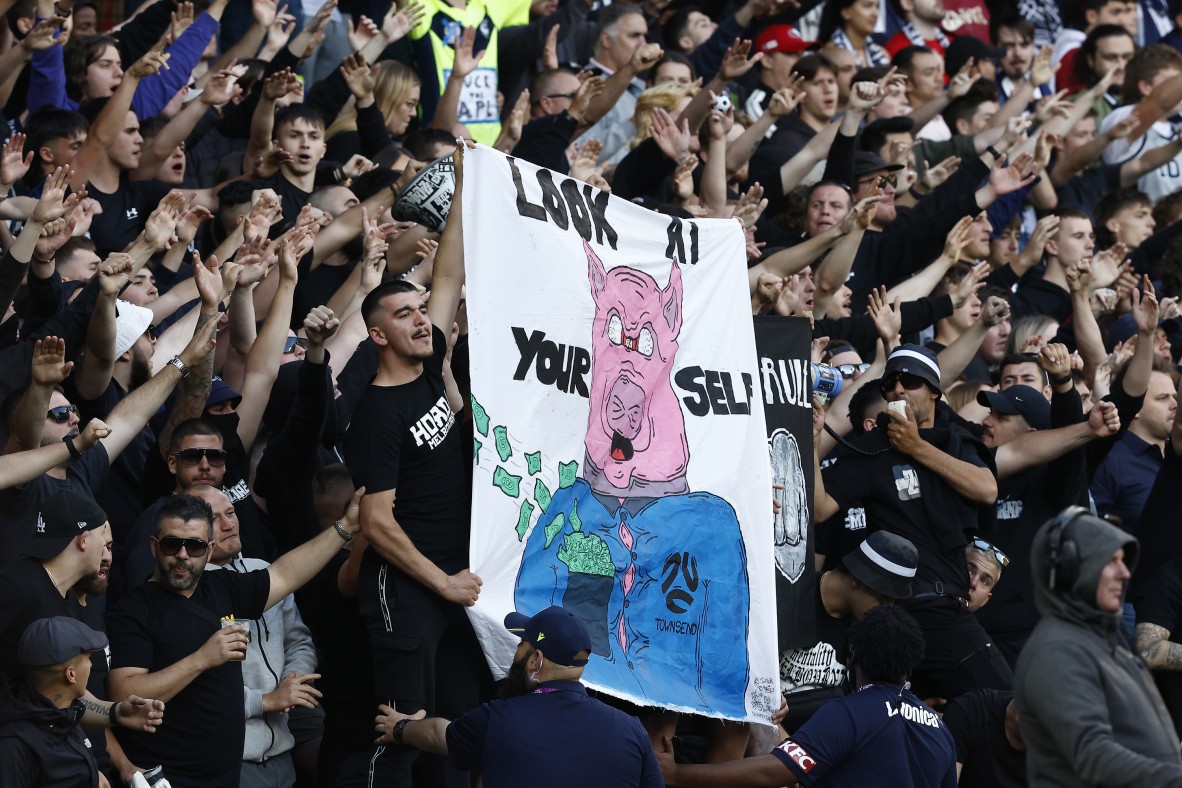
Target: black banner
{"points": [[786, 381]]}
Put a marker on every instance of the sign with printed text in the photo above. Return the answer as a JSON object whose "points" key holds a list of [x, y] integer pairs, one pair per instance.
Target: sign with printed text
{"points": [[621, 458], [478, 98]]}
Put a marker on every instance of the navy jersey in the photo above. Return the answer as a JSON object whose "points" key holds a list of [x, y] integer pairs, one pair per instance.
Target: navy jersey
{"points": [[880, 736]]}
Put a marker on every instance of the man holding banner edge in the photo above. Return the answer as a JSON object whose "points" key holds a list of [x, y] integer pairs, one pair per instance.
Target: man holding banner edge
{"points": [[414, 582]]}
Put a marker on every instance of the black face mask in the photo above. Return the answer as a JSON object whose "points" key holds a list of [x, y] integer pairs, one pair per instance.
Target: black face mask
{"points": [[516, 683]]}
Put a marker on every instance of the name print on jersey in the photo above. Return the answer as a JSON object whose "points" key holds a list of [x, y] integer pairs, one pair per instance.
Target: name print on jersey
{"points": [[433, 426]]}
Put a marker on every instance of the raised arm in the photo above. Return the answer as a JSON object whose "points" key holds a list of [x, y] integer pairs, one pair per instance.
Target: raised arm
{"points": [[93, 375], [110, 121], [447, 281], [49, 369], [466, 61], [1042, 446], [974, 482]]}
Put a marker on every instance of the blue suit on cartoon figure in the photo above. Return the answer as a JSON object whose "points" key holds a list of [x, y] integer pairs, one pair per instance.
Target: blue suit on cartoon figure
{"points": [[658, 572], [670, 621]]}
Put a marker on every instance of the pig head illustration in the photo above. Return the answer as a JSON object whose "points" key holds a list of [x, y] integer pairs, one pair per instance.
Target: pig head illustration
{"points": [[636, 432]]}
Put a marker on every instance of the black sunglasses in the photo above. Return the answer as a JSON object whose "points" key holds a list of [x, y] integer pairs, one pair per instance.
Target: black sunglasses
{"points": [[986, 547], [190, 457], [910, 383], [61, 414], [171, 545], [292, 342]]}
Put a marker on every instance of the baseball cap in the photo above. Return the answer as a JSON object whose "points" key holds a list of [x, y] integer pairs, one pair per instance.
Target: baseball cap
{"points": [[1019, 401], [131, 322], [555, 631], [866, 163], [51, 641], [59, 519], [914, 360], [220, 391], [884, 562], [781, 38], [1125, 328]]}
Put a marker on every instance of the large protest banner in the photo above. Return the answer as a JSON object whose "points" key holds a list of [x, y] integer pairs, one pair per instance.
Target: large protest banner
{"points": [[621, 463]]}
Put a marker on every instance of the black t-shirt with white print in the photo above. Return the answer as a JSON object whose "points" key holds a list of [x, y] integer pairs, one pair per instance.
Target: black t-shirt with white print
{"points": [[404, 437], [124, 213]]}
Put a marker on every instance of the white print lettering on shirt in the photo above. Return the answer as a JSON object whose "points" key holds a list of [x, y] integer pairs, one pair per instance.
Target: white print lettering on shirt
{"points": [[855, 519], [812, 668], [914, 714], [433, 426], [1009, 510]]}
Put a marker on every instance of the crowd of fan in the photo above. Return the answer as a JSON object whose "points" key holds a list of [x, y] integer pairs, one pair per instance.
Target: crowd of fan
{"points": [[218, 346]]}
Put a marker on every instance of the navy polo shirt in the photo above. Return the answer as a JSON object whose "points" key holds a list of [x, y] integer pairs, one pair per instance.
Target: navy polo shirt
{"points": [[879, 736], [1124, 480], [555, 735]]}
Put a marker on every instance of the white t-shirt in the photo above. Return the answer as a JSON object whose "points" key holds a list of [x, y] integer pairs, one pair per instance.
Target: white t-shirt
{"points": [[1164, 180]]}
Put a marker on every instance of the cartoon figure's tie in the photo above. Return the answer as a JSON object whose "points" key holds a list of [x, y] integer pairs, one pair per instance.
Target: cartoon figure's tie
{"points": [[628, 579]]}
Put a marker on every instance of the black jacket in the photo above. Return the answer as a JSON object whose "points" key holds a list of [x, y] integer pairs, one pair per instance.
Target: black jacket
{"points": [[42, 745]]}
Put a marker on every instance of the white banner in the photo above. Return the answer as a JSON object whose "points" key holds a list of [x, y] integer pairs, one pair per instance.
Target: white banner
{"points": [[621, 455]]}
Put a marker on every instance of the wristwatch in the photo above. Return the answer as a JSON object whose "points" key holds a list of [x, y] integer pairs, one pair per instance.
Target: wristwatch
{"points": [[75, 452], [994, 152], [175, 361], [348, 537], [113, 714], [398, 728]]}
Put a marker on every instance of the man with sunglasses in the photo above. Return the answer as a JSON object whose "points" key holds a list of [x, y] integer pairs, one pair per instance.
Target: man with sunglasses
{"points": [[985, 563], [56, 420], [923, 477], [179, 636]]}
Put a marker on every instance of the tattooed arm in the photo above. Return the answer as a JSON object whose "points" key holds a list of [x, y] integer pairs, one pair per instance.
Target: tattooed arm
{"points": [[1155, 648]]}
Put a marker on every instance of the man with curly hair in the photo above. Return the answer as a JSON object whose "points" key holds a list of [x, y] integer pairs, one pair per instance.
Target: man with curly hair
{"points": [[880, 735]]}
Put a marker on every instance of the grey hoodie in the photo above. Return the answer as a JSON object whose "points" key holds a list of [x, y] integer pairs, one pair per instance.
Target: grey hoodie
{"points": [[280, 643], [1089, 711]]}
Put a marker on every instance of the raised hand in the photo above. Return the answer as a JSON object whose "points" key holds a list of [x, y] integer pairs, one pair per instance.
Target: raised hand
{"points": [[1104, 420], [53, 237], [736, 63], [550, 48], [1145, 307], [114, 273], [95, 431], [1043, 231], [864, 96], [320, 325], [279, 32], [750, 206], [888, 318], [49, 366], [646, 57], [970, 284], [280, 84], [862, 214], [934, 176], [357, 165], [220, 88], [207, 276], [958, 238], [786, 98], [672, 138], [152, 61], [358, 75], [1055, 359], [1043, 71], [589, 89], [995, 310], [1004, 180], [466, 60], [182, 18], [160, 229], [14, 162], [42, 34], [683, 179], [398, 23], [201, 345], [963, 79], [54, 203], [362, 33]]}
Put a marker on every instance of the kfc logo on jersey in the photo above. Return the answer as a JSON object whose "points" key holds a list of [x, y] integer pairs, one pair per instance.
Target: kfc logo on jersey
{"points": [[798, 755]]}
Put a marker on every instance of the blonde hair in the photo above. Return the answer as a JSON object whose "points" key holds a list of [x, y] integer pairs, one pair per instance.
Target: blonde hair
{"points": [[391, 89], [666, 97], [964, 392]]}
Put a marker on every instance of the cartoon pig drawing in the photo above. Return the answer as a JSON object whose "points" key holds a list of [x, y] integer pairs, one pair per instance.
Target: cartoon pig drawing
{"points": [[657, 571]]}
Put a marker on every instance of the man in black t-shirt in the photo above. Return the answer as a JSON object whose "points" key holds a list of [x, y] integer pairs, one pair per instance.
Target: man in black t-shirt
{"points": [[922, 477], [404, 448], [878, 572], [175, 637]]}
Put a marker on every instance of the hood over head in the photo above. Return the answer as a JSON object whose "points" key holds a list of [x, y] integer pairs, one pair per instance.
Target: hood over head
{"points": [[1094, 540]]}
